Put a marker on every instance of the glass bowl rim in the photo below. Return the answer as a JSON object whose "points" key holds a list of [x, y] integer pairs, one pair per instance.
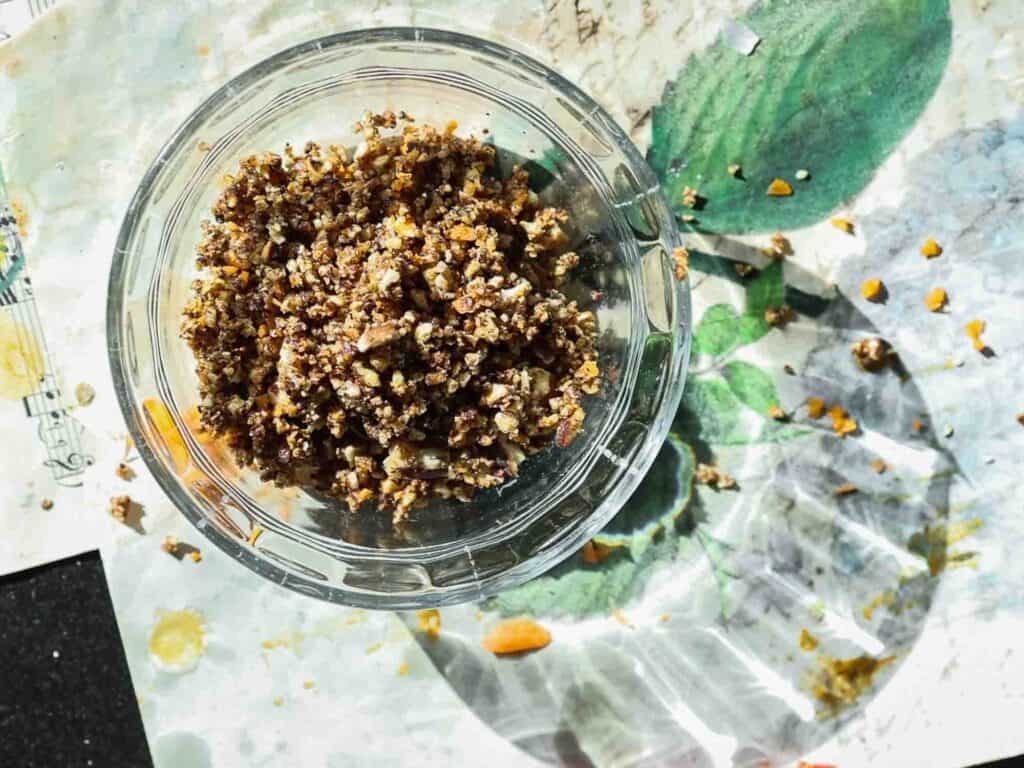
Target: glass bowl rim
{"points": [[540, 561]]}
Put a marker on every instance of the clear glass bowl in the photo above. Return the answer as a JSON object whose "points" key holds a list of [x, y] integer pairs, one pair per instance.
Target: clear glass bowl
{"points": [[447, 552]]}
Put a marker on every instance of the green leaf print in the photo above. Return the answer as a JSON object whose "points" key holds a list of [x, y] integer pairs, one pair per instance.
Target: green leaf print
{"points": [[710, 411], [752, 386], [718, 332], [766, 291], [833, 87], [646, 532]]}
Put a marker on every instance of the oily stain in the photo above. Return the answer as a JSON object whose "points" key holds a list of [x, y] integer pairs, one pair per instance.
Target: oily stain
{"points": [[21, 361], [838, 683], [178, 640]]}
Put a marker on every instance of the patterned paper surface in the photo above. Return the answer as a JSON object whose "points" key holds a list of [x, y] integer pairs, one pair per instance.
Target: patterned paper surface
{"points": [[744, 627]]}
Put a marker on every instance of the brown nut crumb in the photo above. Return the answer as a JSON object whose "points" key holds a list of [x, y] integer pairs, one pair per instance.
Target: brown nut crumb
{"points": [[846, 489], [776, 412], [842, 424], [815, 407], [46, 504], [1020, 419], [355, 316], [931, 249], [743, 269], [789, 370], [681, 259], [936, 299], [516, 636], [843, 224], [714, 478], [690, 197], [124, 472], [879, 466], [974, 330], [430, 622], [170, 545], [594, 552], [778, 317], [120, 506], [779, 188], [780, 247], [195, 556], [872, 354], [873, 289]]}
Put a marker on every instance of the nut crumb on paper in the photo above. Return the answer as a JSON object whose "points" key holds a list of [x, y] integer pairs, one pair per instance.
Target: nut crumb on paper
{"points": [[514, 636]]}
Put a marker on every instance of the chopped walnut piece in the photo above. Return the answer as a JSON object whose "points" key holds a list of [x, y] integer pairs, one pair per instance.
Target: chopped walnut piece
{"points": [[681, 259], [931, 249], [120, 506], [516, 636], [872, 354], [936, 299], [780, 188], [354, 310], [873, 289], [706, 474], [815, 407], [46, 504], [843, 224], [690, 197], [846, 489], [879, 466], [778, 316], [124, 472], [842, 423]]}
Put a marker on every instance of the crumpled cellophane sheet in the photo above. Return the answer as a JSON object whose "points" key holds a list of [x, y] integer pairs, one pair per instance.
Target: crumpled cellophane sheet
{"points": [[683, 645]]}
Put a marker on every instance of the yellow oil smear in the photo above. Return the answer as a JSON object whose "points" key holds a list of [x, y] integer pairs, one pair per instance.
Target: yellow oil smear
{"points": [[178, 640], [887, 599], [934, 542], [21, 361], [808, 642], [838, 683], [287, 640], [327, 629], [164, 424]]}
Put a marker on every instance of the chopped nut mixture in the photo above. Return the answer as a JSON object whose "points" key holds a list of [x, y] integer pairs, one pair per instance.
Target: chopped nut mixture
{"points": [[872, 354], [390, 326], [715, 478], [873, 289], [780, 188], [120, 506]]}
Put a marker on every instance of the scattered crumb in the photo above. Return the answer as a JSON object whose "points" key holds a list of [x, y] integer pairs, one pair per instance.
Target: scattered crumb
{"points": [[873, 289], [808, 642], [844, 224], [120, 507], [597, 295], [974, 330], [743, 269], [780, 247], [254, 535], [872, 354], [124, 472], [46, 504], [846, 489], [936, 299], [170, 545], [735, 170], [403, 669], [84, 394], [681, 258], [516, 636], [1020, 419], [780, 188], [815, 407], [594, 552], [803, 174], [204, 146], [690, 197], [788, 370], [664, 617], [278, 701], [430, 622], [778, 316], [308, 684], [947, 431], [842, 424], [622, 618], [776, 412], [373, 648], [879, 466], [931, 249], [917, 425], [715, 478], [195, 556]]}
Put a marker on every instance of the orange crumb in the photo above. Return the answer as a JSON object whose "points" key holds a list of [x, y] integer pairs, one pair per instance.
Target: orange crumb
{"points": [[917, 425], [780, 188], [516, 636], [815, 407], [403, 669], [879, 466], [254, 534], [974, 330], [936, 299], [451, 126], [931, 249], [776, 412], [844, 224], [872, 289], [681, 259], [170, 545], [846, 489], [594, 552], [195, 555], [842, 424], [430, 622], [622, 618]]}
